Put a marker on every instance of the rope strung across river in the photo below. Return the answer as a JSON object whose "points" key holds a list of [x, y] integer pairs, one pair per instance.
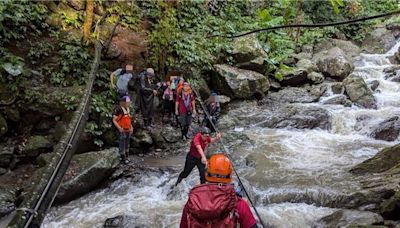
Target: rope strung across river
{"points": [[227, 153], [318, 25]]}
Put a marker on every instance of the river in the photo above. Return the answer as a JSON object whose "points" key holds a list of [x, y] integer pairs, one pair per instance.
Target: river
{"points": [[295, 176]]}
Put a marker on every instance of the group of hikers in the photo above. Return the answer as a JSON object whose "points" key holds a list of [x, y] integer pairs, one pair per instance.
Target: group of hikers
{"points": [[215, 202]]}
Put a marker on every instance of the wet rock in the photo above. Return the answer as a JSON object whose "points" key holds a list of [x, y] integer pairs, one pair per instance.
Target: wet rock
{"points": [[223, 100], [394, 77], [387, 130], [379, 41], [307, 65], [349, 218], [8, 197], [3, 171], [36, 145], [315, 77], [384, 160], [358, 92], [6, 155], [7, 95], [275, 85], [334, 63], [122, 221], [339, 99], [3, 125], [390, 209], [293, 95], [156, 137], [373, 85], [85, 172], [249, 54], [294, 77], [337, 88], [238, 83], [141, 138]]}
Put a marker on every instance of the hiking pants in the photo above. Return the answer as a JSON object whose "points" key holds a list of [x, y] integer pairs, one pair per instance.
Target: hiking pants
{"points": [[190, 163], [123, 144], [185, 120]]}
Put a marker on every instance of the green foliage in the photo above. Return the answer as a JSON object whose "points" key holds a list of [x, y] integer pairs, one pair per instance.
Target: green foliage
{"points": [[72, 67], [128, 11], [72, 19], [39, 51], [18, 18]]}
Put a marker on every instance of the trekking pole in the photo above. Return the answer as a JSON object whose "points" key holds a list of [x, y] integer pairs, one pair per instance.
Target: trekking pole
{"points": [[228, 155]]}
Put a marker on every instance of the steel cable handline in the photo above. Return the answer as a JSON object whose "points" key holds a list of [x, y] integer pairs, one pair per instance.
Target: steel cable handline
{"points": [[318, 25], [57, 174], [227, 153]]}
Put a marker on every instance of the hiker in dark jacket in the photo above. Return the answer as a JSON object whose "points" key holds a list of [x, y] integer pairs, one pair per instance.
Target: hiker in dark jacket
{"points": [[214, 109], [147, 93]]}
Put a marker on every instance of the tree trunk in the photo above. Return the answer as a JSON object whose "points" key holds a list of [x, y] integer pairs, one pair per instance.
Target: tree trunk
{"points": [[88, 20]]}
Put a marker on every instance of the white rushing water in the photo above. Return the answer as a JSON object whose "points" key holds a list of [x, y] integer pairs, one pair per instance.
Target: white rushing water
{"points": [[294, 174]]}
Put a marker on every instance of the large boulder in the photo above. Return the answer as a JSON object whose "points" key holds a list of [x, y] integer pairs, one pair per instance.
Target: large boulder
{"points": [[3, 125], [382, 161], [8, 198], [36, 145], [338, 99], [358, 92], [85, 172], [294, 77], [349, 218], [334, 63], [379, 40], [387, 130], [249, 54], [239, 83], [351, 49], [294, 95], [141, 138]]}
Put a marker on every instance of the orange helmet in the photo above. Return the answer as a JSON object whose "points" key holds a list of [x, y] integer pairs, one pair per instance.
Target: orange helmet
{"points": [[219, 169]]}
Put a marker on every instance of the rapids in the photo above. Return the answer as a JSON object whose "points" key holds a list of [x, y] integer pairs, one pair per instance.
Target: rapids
{"points": [[295, 176]]}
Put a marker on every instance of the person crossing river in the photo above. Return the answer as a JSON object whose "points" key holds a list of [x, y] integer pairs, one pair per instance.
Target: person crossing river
{"points": [[196, 155]]}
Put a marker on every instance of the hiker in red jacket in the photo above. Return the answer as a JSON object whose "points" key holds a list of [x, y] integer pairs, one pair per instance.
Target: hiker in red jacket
{"points": [[196, 155], [216, 204]]}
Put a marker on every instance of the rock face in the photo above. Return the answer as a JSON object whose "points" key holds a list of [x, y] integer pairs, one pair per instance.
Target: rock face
{"points": [[36, 145], [85, 172], [349, 218], [387, 130], [334, 63], [382, 161], [249, 54], [379, 41], [3, 126], [238, 83], [358, 92]]}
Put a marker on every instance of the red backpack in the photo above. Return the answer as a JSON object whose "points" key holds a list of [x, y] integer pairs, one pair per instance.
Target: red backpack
{"points": [[212, 205]]}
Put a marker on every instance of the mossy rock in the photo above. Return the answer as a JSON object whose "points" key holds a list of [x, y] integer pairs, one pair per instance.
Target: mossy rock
{"points": [[382, 161]]}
